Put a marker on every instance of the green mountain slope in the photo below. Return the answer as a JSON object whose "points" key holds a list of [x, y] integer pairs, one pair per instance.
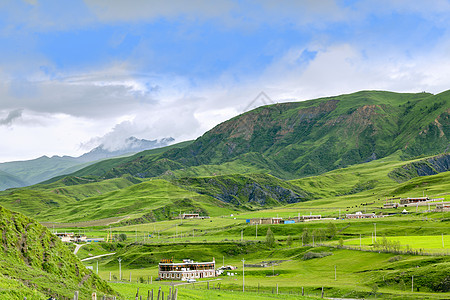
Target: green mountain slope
{"points": [[376, 180], [67, 191], [8, 180], [35, 263], [33, 171], [40, 169], [292, 140]]}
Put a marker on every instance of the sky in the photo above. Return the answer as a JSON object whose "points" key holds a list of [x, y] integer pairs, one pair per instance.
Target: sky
{"points": [[75, 74]]}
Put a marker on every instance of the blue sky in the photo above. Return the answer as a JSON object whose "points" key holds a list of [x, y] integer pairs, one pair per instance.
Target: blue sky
{"points": [[78, 73]]}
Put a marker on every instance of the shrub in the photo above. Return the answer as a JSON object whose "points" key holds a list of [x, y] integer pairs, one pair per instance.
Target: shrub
{"points": [[270, 239], [395, 258], [289, 241]]}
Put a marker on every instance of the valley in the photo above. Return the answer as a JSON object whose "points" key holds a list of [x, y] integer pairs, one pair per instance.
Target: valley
{"points": [[279, 166]]}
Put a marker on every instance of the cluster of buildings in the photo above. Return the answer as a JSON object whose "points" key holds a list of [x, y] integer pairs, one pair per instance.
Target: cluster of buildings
{"points": [[417, 201], [278, 220], [307, 218], [70, 237], [360, 215]]}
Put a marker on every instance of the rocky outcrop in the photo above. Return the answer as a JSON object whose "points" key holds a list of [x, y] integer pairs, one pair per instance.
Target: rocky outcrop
{"points": [[426, 167], [246, 191]]}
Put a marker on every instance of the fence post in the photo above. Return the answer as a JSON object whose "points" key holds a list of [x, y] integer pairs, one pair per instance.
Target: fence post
{"points": [[159, 292], [322, 292], [75, 296], [176, 294], [94, 296], [303, 292]]}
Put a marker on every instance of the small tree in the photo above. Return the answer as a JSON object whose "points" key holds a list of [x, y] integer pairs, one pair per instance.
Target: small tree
{"points": [[120, 237], [331, 230], [341, 242], [270, 239], [305, 236], [289, 241]]}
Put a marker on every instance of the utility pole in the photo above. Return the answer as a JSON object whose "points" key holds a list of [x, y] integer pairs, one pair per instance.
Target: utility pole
{"points": [[375, 224], [120, 269], [243, 275]]}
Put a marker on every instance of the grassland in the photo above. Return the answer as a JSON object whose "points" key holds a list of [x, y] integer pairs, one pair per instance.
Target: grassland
{"points": [[356, 272]]}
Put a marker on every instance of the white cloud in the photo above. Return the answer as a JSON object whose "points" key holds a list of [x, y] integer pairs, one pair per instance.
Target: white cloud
{"points": [[11, 117]]}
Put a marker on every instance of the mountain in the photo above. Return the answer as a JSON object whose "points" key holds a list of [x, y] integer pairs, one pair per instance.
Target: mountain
{"points": [[299, 139], [35, 263], [131, 145], [244, 163], [8, 180], [24, 173]]}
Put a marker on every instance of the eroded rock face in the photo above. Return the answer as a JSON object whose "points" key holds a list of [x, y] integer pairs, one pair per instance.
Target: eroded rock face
{"points": [[426, 167]]}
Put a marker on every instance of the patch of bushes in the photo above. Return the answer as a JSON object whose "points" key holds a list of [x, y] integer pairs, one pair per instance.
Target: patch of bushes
{"points": [[395, 258], [312, 255]]}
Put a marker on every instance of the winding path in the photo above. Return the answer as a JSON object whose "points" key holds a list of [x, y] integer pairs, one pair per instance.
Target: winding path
{"points": [[98, 256], [77, 247]]}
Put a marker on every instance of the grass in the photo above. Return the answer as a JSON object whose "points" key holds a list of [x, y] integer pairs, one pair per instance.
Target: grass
{"points": [[156, 198], [356, 271], [429, 243], [198, 291]]}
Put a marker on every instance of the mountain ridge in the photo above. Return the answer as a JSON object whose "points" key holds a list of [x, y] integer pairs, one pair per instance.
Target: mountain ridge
{"points": [[306, 138], [29, 172]]}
